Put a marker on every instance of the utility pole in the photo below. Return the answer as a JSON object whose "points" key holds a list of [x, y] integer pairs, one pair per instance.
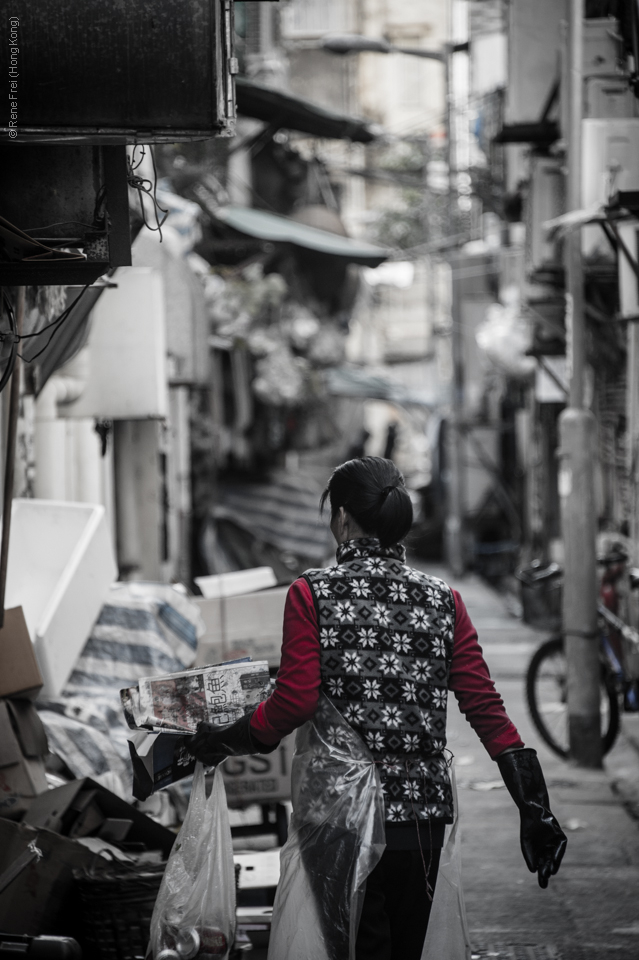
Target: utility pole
{"points": [[454, 525], [629, 297], [577, 451]]}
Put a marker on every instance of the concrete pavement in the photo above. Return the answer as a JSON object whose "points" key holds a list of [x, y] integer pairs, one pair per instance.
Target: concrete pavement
{"points": [[591, 908]]}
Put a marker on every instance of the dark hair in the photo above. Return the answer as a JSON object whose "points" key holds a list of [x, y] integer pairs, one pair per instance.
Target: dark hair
{"points": [[372, 490]]}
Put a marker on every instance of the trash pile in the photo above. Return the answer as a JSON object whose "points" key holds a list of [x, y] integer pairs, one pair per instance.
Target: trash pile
{"points": [[86, 832], [23, 749], [69, 824]]}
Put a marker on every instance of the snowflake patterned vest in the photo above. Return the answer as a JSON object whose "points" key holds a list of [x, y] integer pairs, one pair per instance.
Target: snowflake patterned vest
{"points": [[386, 637]]}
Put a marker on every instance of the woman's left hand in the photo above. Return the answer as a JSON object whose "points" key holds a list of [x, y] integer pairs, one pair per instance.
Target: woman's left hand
{"points": [[543, 842]]}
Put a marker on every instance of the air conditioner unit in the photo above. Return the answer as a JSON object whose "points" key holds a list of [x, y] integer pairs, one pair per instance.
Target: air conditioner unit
{"points": [[603, 48], [69, 197], [609, 98], [546, 200], [127, 377], [108, 71], [610, 162], [628, 283]]}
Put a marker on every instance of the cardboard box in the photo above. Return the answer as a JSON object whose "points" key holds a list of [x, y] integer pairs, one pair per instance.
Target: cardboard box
{"points": [[27, 727], [19, 671], [23, 746], [19, 783], [244, 626], [84, 807], [161, 759], [262, 778], [158, 759]]}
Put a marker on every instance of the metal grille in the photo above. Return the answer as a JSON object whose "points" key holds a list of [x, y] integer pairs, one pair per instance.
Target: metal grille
{"points": [[313, 18], [501, 951], [487, 16]]}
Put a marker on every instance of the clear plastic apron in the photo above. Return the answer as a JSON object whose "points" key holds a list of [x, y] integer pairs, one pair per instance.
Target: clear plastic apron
{"points": [[336, 838]]}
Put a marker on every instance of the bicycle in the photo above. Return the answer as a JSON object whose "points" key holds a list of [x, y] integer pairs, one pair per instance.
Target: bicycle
{"points": [[546, 676]]}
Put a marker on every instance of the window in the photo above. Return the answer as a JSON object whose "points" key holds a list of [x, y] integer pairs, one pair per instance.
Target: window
{"points": [[313, 18]]}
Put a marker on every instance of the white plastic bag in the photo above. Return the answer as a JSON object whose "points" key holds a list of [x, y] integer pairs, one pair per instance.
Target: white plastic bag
{"points": [[447, 936], [336, 838], [194, 914]]}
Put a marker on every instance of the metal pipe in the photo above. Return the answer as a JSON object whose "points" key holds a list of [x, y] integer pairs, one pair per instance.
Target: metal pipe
{"points": [[418, 52], [577, 432], [576, 338], [456, 498], [10, 462]]}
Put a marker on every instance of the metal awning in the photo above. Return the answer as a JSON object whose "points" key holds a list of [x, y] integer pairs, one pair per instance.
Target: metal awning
{"points": [[278, 229], [360, 382], [543, 132], [70, 336], [294, 113], [283, 512]]}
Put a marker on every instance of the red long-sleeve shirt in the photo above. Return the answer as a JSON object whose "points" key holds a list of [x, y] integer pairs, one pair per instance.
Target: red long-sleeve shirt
{"points": [[297, 689]]}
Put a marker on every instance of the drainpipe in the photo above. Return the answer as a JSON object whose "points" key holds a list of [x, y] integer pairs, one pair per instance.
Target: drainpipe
{"points": [[577, 436]]}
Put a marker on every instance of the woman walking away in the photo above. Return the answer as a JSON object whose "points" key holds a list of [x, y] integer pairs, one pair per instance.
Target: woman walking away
{"points": [[384, 643]]}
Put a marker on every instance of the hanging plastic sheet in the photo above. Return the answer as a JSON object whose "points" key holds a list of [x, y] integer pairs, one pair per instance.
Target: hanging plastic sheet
{"points": [[447, 937], [336, 838], [194, 914]]}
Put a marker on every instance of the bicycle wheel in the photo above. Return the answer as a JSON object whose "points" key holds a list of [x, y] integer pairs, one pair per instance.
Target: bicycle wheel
{"points": [[546, 692]]}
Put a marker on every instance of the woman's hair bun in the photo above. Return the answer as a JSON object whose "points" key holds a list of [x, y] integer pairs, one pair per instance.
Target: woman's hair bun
{"points": [[372, 490]]}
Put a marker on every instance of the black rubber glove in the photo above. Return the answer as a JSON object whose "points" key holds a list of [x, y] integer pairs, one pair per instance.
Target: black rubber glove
{"points": [[211, 743], [543, 842]]}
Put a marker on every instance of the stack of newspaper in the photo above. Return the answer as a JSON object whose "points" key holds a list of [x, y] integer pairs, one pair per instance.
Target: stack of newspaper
{"points": [[165, 710]]}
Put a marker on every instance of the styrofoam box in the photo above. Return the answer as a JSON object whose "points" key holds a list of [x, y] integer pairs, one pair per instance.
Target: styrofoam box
{"points": [[259, 868], [61, 565], [236, 582], [247, 625]]}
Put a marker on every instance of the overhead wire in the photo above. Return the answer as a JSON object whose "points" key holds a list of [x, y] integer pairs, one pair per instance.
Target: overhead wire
{"points": [[146, 187], [60, 223]]}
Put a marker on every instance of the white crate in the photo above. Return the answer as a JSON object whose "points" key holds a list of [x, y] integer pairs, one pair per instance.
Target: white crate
{"points": [[236, 582], [258, 869], [262, 778], [61, 565]]}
